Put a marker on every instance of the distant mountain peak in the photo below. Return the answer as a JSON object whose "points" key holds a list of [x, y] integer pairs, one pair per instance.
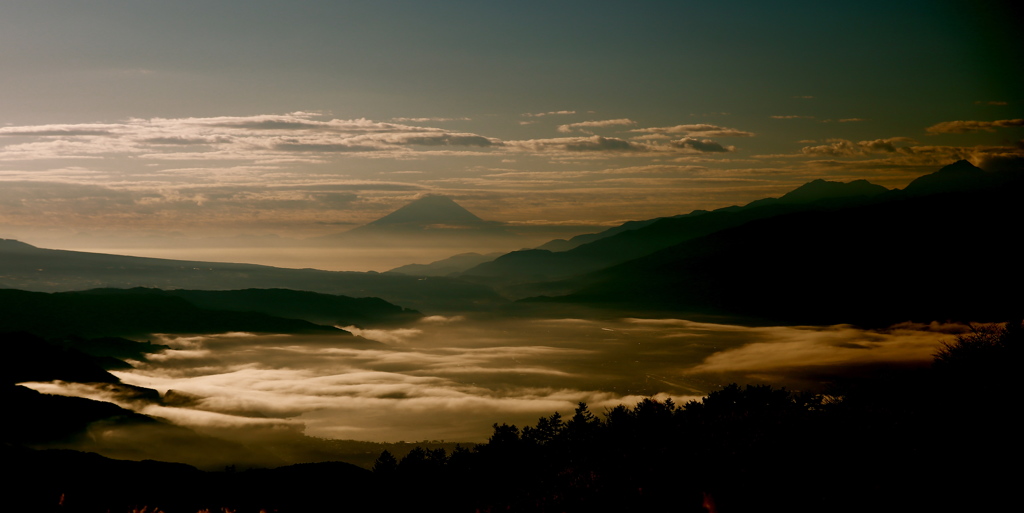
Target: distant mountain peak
{"points": [[430, 210], [961, 166], [432, 220], [823, 189], [13, 245], [957, 176]]}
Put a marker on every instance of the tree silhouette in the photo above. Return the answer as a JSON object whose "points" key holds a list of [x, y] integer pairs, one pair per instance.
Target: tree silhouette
{"points": [[386, 464], [984, 347], [547, 431], [504, 437]]}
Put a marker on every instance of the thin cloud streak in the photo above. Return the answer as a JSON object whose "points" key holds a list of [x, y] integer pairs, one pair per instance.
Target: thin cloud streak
{"points": [[584, 125], [701, 129], [966, 127]]}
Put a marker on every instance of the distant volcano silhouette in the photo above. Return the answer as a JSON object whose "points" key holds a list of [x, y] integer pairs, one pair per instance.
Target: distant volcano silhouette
{"points": [[958, 176], [430, 220], [430, 212]]}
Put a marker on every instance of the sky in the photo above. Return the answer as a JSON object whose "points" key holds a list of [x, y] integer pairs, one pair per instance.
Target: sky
{"points": [[161, 126]]}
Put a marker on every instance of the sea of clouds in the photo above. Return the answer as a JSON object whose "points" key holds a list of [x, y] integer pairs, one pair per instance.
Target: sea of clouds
{"points": [[451, 378]]}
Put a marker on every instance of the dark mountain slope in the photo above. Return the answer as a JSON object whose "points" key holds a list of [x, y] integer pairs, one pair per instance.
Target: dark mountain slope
{"points": [[956, 177], [69, 481], [314, 307], [32, 418], [30, 268], [27, 357], [937, 257], [586, 238], [817, 190], [109, 349], [98, 313], [822, 190], [533, 266], [451, 265], [43, 420]]}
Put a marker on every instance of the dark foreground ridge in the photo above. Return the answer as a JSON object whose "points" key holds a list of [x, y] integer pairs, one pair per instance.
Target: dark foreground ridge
{"points": [[138, 312]]}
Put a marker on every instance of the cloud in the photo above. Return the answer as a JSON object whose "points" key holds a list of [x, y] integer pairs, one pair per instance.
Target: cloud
{"points": [[884, 145], [594, 143], [552, 113], [701, 129], [846, 148], [178, 140], [292, 174], [452, 380], [851, 120], [270, 124], [395, 337], [701, 145], [55, 131], [813, 348], [253, 138], [28, 200], [882, 156], [1003, 162], [599, 144], [654, 169], [322, 147], [435, 319], [792, 117], [451, 140], [424, 120], [594, 124], [964, 127]]}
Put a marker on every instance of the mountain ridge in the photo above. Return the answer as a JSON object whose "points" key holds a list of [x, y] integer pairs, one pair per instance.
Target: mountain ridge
{"points": [[53, 270], [133, 312], [827, 267], [510, 272], [525, 273]]}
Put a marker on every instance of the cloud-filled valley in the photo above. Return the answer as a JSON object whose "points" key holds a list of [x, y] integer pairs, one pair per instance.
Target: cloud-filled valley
{"points": [[450, 381]]}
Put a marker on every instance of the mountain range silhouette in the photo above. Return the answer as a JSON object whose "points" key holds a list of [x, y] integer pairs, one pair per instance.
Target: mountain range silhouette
{"points": [[941, 249], [825, 252]]}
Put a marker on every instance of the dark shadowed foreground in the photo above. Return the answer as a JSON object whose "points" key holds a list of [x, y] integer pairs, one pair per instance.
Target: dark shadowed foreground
{"points": [[915, 440]]}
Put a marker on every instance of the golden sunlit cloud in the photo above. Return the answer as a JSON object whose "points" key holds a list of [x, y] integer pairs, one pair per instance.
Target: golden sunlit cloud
{"points": [[701, 129]]}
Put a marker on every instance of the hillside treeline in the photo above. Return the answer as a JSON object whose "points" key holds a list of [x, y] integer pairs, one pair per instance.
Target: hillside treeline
{"points": [[913, 440]]}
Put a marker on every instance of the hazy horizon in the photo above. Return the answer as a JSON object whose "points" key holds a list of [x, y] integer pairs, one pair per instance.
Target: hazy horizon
{"points": [[192, 121]]}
